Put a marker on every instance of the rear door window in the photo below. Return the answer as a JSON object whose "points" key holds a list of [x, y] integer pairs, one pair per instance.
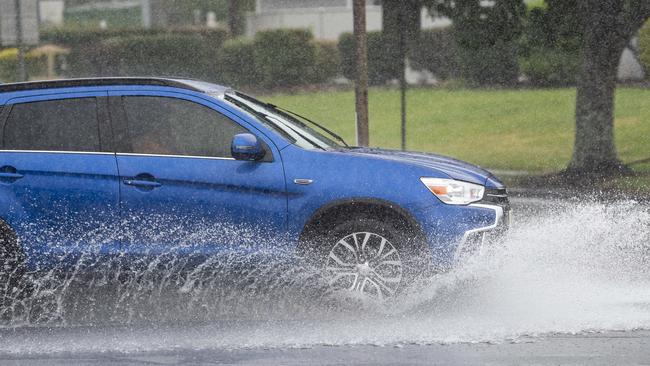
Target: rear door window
{"points": [[171, 126], [53, 125]]}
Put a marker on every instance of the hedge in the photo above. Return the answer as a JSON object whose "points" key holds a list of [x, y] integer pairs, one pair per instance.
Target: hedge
{"points": [[257, 62], [274, 58], [35, 66], [161, 55], [237, 63], [495, 64], [437, 52], [284, 57], [328, 62], [380, 69], [551, 67], [105, 52]]}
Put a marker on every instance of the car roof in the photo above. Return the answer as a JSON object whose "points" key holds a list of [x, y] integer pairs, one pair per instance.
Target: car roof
{"points": [[189, 84]]}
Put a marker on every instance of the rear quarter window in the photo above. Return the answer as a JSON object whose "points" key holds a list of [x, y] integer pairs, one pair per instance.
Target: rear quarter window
{"points": [[53, 125]]}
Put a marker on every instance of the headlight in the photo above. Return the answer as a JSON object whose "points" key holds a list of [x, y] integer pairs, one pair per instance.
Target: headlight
{"points": [[454, 192]]}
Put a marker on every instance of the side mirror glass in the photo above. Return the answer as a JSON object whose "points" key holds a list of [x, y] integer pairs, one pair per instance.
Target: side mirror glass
{"points": [[246, 146]]}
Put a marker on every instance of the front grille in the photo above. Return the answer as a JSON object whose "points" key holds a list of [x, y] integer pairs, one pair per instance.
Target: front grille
{"points": [[499, 197]]}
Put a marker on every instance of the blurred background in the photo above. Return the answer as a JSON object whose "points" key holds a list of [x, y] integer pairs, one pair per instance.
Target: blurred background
{"points": [[489, 81]]}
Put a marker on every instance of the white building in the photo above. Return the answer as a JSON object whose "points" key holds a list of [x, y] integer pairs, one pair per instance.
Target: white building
{"points": [[51, 12], [327, 19]]}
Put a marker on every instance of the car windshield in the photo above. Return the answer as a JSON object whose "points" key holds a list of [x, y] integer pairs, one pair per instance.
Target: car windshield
{"points": [[284, 123]]}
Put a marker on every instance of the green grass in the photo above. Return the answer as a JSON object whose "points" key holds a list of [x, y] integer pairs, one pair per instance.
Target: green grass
{"points": [[527, 130], [532, 4]]}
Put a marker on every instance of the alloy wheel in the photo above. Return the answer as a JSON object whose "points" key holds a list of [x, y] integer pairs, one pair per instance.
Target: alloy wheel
{"points": [[365, 263]]}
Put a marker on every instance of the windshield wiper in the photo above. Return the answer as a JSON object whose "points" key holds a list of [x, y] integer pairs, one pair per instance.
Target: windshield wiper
{"points": [[271, 119], [330, 132]]}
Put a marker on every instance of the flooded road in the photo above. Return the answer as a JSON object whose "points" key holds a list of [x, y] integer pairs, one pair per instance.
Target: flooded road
{"points": [[570, 284], [611, 348]]}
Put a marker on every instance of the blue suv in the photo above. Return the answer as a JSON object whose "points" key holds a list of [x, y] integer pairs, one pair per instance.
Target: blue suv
{"points": [[140, 167]]}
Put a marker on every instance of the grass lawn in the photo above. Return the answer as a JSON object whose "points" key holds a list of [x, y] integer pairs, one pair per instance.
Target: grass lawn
{"points": [[524, 130]]}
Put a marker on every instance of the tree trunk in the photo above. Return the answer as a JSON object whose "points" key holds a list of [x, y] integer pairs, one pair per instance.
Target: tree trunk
{"points": [[235, 18], [595, 151], [401, 21]]}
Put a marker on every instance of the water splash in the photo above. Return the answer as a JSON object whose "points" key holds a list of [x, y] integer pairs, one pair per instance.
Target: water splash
{"points": [[578, 267]]}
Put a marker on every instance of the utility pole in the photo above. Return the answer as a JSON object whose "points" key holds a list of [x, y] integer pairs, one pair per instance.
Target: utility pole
{"points": [[22, 71], [402, 73], [361, 87]]}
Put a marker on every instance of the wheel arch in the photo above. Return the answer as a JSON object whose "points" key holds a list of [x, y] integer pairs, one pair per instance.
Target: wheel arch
{"points": [[333, 212]]}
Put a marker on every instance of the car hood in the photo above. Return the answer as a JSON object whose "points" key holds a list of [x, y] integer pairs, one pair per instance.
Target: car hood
{"points": [[454, 168]]}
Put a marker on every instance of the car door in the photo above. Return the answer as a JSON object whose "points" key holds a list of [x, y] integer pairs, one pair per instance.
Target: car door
{"points": [[59, 188], [181, 190]]}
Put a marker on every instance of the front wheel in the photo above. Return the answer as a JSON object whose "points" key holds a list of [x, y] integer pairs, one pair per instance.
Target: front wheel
{"points": [[370, 257]]}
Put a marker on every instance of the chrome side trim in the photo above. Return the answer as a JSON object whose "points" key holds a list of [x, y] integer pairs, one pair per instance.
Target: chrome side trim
{"points": [[111, 153], [498, 211], [174, 156], [58, 152]]}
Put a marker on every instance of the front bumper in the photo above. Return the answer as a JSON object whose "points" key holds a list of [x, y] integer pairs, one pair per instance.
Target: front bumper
{"points": [[453, 231], [475, 239]]}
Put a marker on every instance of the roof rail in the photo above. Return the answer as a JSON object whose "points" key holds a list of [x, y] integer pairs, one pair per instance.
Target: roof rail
{"points": [[89, 82]]}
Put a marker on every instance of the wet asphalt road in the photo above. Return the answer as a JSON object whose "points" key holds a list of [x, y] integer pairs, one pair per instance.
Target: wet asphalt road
{"points": [[614, 348], [598, 348]]}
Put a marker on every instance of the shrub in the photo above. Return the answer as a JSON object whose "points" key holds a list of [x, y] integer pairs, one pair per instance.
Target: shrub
{"points": [[549, 49], [284, 57], [380, 69], [35, 66], [328, 62], [437, 52], [490, 65], [237, 63], [551, 67], [239, 66], [644, 47], [486, 38]]}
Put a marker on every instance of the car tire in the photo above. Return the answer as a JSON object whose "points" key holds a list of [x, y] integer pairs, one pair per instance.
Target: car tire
{"points": [[370, 256]]}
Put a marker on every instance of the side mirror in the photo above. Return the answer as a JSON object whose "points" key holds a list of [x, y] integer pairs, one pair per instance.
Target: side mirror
{"points": [[246, 146]]}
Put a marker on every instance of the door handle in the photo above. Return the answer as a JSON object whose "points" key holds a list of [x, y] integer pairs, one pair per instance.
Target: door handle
{"points": [[9, 173], [5, 175], [142, 183]]}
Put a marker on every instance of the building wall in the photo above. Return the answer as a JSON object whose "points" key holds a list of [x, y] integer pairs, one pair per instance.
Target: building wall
{"points": [[51, 12], [270, 5], [325, 22]]}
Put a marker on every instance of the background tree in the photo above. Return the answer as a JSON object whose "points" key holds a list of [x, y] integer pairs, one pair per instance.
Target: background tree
{"points": [[608, 26], [550, 44], [486, 32], [401, 21], [236, 17]]}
